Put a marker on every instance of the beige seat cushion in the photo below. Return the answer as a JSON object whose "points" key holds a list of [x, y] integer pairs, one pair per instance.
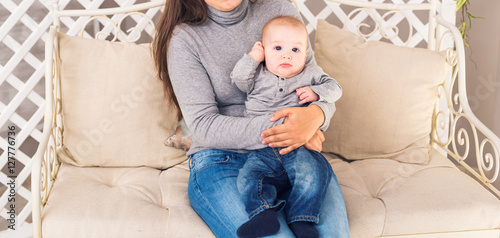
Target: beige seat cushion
{"points": [[121, 202], [387, 197], [113, 106], [383, 197], [388, 95]]}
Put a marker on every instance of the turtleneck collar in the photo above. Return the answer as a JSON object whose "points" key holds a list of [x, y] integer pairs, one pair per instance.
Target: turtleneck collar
{"points": [[228, 18]]}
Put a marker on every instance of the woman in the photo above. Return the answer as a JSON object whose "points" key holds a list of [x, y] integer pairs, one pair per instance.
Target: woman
{"points": [[196, 47]]}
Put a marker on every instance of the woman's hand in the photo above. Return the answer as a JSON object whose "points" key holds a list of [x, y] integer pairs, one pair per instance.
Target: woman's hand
{"points": [[316, 142], [299, 126]]}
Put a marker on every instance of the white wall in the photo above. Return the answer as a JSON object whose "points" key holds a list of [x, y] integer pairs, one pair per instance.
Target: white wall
{"points": [[483, 63]]}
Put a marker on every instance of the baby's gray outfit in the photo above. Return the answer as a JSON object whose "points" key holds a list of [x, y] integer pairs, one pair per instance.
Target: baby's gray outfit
{"points": [[267, 92]]}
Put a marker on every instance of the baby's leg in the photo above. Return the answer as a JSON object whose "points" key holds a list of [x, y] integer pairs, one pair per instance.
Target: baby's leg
{"points": [[309, 176], [256, 183]]}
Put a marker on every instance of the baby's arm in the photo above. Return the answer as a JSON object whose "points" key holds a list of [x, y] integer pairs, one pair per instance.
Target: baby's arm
{"points": [[244, 71], [327, 88], [323, 87]]}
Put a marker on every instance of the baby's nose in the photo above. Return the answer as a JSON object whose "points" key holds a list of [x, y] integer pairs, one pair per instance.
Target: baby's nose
{"points": [[286, 56]]}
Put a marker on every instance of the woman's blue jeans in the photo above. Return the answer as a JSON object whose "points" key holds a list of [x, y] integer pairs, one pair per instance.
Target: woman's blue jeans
{"points": [[214, 195], [303, 174]]}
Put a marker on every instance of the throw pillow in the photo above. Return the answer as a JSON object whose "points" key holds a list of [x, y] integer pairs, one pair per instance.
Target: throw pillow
{"points": [[389, 93], [114, 110]]}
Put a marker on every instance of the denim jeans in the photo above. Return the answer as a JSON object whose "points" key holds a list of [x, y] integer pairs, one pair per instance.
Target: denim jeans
{"points": [[301, 175], [214, 195]]}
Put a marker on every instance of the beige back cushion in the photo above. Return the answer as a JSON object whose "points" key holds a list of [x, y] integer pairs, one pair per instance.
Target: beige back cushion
{"points": [[388, 95], [114, 110]]}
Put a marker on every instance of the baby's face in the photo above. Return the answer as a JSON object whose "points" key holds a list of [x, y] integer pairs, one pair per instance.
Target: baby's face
{"points": [[285, 50]]}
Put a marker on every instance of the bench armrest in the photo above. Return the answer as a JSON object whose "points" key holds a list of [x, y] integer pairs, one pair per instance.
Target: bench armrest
{"points": [[45, 163], [460, 141]]}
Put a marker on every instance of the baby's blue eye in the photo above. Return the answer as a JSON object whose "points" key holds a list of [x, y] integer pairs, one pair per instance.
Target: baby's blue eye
{"points": [[295, 50], [277, 48]]}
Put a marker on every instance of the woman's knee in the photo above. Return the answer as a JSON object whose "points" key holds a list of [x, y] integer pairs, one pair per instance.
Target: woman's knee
{"points": [[214, 195]]}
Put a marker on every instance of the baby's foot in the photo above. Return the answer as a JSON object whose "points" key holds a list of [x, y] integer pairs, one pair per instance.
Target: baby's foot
{"points": [[263, 224], [304, 229]]}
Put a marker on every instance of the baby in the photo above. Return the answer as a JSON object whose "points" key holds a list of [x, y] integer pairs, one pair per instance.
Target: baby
{"points": [[283, 80]]}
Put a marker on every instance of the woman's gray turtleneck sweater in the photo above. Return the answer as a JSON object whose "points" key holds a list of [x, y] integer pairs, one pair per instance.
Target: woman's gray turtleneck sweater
{"points": [[200, 60]]}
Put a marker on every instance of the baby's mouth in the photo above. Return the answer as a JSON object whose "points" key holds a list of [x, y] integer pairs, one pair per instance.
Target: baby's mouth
{"points": [[285, 65]]}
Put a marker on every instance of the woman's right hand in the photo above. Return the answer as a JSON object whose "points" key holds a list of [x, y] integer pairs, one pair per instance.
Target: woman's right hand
{"points": [[299, 126], [316, 141]]}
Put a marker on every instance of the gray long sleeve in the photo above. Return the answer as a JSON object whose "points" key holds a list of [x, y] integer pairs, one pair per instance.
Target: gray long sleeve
{"points": [[243, 74]]}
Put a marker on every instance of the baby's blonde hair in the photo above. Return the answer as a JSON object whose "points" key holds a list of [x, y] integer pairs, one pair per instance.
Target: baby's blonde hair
{"points": [[285, 20]]}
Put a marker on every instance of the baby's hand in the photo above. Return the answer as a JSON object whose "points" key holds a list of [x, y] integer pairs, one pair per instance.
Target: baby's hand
{"points": [[306, 94], [257, 52]]}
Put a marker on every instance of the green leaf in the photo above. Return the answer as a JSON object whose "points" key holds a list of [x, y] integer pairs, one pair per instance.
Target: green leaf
{"points": [[460, 4]]}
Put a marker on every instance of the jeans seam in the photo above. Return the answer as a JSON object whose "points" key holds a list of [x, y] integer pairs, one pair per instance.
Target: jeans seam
{"points": [[262, 177], [202, 157], [303, 218], [267, 205], [228, 157], [278, 157], [260, 189], [209, 154]]}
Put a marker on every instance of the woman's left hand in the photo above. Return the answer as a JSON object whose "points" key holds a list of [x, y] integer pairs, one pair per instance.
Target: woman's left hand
{"points": [[299, 126]]}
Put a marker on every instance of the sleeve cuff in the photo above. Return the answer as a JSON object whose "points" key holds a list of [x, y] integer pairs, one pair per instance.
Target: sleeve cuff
{"points": [[328, 110], [250, 61]]}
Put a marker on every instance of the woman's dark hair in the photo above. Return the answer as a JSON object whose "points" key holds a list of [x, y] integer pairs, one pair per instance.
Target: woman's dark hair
{"points": [[191, 12]]}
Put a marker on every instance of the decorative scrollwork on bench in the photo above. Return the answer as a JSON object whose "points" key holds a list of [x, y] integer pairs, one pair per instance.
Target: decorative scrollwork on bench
{"points": [[440, 127], [465, 139], [383, 24], [460, 138], [50, 162], [488, 161]]}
